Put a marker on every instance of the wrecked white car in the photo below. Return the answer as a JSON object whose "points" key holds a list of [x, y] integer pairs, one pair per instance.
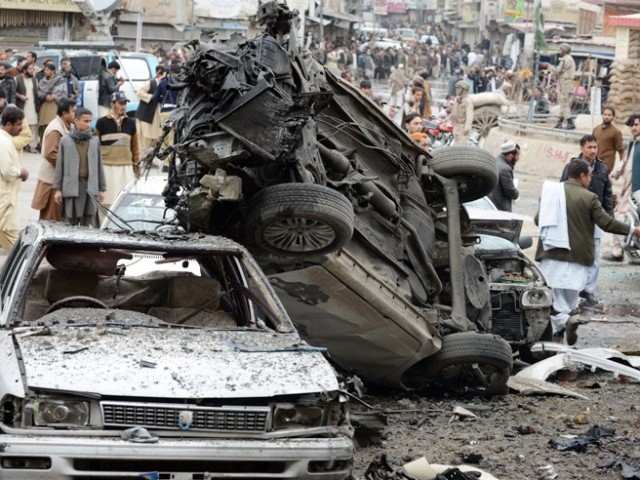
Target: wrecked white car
{"points": [[521, 300], [157, 356], [358, 229]]}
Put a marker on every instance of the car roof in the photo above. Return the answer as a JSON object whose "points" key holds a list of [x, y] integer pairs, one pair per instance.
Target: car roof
{"points": [[61, 233]]}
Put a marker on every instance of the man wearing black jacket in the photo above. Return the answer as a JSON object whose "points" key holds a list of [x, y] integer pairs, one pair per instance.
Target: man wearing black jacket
{"points": [[600, 185], [148, 113]]}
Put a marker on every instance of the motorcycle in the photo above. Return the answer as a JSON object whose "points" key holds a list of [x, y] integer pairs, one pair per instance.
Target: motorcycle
{"points": [[440, 132]]}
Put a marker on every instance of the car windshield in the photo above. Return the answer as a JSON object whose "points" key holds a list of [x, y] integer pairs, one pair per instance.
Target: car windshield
{"points": [[91, 285], [140, 211]]}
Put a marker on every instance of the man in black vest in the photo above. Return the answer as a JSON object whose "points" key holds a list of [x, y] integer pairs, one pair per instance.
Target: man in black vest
{"points": [[147, 113]]}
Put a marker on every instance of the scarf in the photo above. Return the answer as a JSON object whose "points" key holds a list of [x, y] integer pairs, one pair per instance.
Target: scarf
{"points": [[79, 136]]}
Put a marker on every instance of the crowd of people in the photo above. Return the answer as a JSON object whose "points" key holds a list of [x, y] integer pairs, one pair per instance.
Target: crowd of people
{"points": [[575, 212], [86, 157]]}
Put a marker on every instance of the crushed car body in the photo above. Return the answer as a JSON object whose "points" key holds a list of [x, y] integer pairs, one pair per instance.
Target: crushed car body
{"points": [[361, 232], [165, 354]]}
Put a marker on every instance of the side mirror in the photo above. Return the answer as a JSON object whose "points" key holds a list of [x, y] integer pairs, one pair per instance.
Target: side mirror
{"points": [[525, 242]]}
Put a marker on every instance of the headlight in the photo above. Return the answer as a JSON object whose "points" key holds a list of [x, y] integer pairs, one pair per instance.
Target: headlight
{"points": [[291, 416], [538, 298], [59, 413]]}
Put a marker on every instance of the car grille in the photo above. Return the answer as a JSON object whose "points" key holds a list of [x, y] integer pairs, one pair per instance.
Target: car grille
{"points": [[507, 317], [161, 416]]}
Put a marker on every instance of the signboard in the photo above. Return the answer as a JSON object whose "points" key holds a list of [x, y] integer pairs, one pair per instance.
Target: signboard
{"points": [[514, 10], [173, 12], [380, 7], [226, 9], [43, 5], [395, 6]]}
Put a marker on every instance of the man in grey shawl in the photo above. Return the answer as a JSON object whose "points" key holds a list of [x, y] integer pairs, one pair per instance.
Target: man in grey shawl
{"points": [[51, 89], [79, 183]]}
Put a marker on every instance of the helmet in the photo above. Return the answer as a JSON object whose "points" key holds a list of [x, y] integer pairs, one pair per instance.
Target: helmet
{"points": [[565, 47], [463, 85]]}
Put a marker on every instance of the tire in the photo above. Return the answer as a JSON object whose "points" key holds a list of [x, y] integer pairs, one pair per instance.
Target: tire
{"points": [[484, 119], [453, 365], [474, 169], [300, 219]]}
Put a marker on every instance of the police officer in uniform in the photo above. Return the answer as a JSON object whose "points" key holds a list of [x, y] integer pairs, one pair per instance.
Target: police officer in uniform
{"points": [[565, 73]]}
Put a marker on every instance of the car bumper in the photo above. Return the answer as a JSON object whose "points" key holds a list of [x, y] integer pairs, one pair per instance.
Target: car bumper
{"points": [[30, 457]]}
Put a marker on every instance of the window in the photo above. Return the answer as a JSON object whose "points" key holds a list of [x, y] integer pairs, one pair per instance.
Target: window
{"points": [[135, 69]]}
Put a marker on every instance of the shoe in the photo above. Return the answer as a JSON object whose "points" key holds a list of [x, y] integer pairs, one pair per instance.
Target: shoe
{"points": [[610, 257], [558, 337], [590, 299], [572, 331], [570, 125], [559, 125]]}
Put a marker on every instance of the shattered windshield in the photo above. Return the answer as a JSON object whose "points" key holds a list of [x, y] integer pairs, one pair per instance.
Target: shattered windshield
{"points": [[136, 287]]}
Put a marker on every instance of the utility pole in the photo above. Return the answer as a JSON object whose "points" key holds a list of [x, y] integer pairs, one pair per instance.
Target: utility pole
{"points": [[193, 19], [321, 27]]}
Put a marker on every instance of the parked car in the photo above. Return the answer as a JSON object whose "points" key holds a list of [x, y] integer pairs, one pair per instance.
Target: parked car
{"points": [[357, 227], [382, 44], [368, 31], [157, 356], [406, 34], [432, 39]]}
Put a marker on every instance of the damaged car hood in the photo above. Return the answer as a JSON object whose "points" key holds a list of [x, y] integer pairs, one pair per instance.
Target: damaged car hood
{"points": [[171, 363]]}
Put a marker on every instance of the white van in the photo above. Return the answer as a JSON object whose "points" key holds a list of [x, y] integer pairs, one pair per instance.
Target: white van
{"points": [[371, 31], [406, 34]]}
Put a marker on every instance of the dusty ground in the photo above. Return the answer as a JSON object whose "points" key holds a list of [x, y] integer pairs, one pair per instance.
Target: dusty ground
{"points": [[425, 429]]}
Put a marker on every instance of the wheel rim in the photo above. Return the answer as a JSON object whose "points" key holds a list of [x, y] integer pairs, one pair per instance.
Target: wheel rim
{"points": [[465, 374], [299, 235]]}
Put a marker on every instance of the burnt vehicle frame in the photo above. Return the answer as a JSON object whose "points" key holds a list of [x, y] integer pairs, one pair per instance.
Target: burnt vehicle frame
{"points": [[110, 339], [332, 198]]}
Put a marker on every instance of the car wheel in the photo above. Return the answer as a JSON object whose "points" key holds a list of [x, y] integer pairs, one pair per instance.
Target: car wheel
{"points": [[300, 219], [473, 360], [473, 168], [484, 119]]}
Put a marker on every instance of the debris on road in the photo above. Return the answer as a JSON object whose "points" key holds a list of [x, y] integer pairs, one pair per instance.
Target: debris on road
{"points": [[580, 443], [532, 380], [461, 413]]}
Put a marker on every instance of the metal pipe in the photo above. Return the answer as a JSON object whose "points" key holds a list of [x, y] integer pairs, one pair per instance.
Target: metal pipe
{"points": [[459, 318]]}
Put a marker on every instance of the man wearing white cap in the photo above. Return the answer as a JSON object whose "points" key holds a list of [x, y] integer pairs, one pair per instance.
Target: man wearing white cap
{"points": [[505, 191]]}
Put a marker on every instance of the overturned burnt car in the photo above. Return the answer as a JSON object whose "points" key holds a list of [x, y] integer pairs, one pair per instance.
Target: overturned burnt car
{"points": [[361, 232]]}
